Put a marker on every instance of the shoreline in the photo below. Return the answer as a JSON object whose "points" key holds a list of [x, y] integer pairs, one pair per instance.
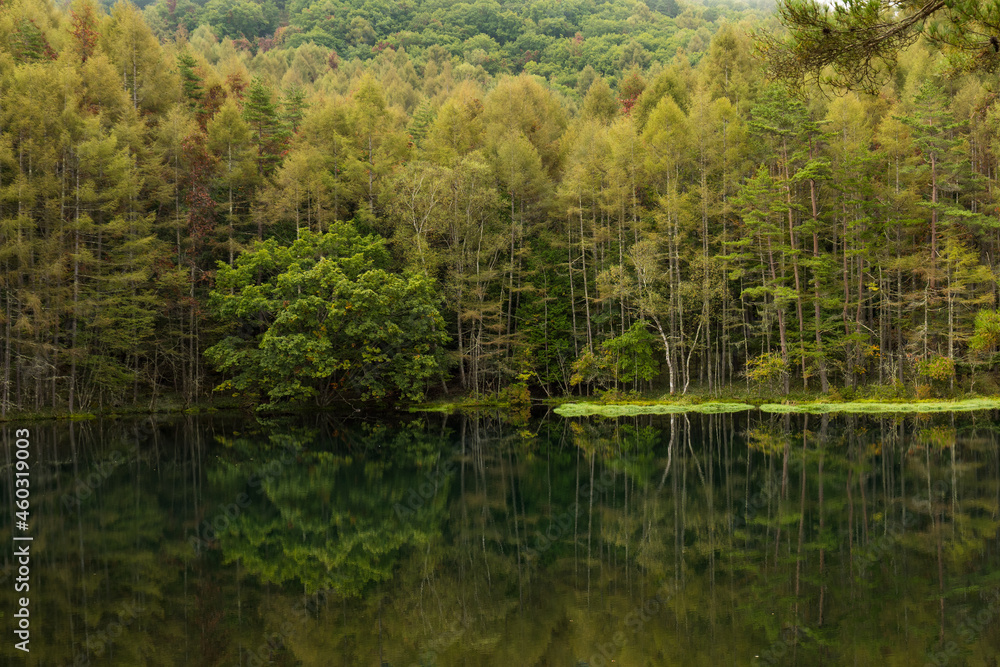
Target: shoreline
{"points": [[562, 406], [632, 408]]}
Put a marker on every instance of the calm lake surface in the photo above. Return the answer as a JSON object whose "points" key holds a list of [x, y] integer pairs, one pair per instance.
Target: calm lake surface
{"points": [[511, 539]]}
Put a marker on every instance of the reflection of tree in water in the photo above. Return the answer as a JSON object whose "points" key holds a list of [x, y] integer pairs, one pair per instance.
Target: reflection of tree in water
{"points": [[785, 578], [105, 583], [767, 439], [331, 520], [844, 539]]}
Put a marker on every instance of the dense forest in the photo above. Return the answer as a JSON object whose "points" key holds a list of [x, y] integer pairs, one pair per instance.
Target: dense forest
{"points": [[320, 201]]}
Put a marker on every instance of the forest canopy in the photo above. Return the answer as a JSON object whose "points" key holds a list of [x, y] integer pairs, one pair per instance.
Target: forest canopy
{"points": [[537, 198]]}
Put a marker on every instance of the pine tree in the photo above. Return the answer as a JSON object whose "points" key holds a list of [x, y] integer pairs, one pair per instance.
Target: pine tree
{"points": [[261, 114], [190, 81], [293, 107], [935, 132]]}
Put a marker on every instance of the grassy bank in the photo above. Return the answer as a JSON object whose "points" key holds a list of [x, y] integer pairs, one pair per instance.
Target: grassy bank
{"points": [[876, 407], [623, 406], [629, 410]]}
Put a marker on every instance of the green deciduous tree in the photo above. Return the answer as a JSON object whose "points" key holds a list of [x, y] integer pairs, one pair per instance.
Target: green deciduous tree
{"points": [[321, 318]]}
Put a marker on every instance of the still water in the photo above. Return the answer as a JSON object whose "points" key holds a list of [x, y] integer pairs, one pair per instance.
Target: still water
{"points": [[510, 539]]}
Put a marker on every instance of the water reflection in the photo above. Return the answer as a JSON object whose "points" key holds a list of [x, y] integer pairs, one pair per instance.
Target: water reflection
{"points": [[492, 539]]}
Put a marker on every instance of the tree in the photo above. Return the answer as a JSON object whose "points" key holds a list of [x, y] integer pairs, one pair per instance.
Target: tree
{"points": [[599, 103], [229, 139], [190, 81], [986, 337], [625, 359], [329, 130], [138, 57], [859, 40], [261, 113], [935, 132], [323, 318], [764, 251], [241, 18], [377, 137], [84, 27], [766, 370]]}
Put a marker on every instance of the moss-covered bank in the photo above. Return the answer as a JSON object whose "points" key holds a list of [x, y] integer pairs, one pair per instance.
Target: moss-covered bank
{"points": [[625, 409], [629, 410]]}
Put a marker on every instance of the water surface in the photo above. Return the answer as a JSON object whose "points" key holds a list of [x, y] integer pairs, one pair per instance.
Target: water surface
{"points": [[510, 539]]}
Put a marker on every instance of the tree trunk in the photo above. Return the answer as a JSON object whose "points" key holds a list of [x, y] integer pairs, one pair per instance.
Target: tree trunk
{"points": [[824, 381]]}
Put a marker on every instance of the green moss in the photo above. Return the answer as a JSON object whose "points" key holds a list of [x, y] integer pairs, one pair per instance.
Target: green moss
{"points": [[466, 404], [630, 410], [812, 407], [873, 407], [436, 407]]}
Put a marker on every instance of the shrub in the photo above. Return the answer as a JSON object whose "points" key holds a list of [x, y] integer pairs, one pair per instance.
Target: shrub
{"points": [[621, 360], [939, 368], [767, 369]]}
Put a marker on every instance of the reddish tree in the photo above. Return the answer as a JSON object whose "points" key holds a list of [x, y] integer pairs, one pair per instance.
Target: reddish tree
{"points": [[201, 206], [84, 30], [236, 85], [630, 90]]}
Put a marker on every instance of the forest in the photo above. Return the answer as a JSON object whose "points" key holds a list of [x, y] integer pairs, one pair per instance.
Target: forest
{"points": [[317, 202]]}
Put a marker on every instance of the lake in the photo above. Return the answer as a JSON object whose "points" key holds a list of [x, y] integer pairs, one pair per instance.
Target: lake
{"points": [[508, 538]]}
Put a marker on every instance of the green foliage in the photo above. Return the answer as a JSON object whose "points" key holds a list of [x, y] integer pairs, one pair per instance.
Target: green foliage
{"points": [[190, 81], [631, 354], [554, 41], [322, 318], [516, 393], [566, 247], [766, 370], [627, 410], [600, 103], [768, 439], [30, 43], [860, 41], [623, 359], [241, 18], [875, 407], [270, 134], [938, 368], [986, 332]]}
